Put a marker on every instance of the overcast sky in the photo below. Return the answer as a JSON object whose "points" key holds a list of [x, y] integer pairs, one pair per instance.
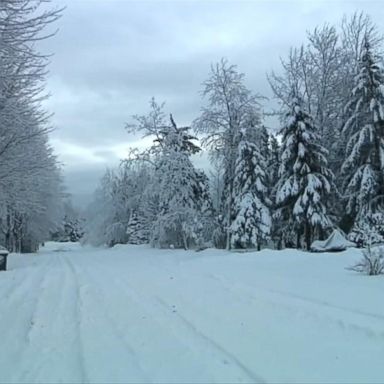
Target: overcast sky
{"points": [[112, 56]]}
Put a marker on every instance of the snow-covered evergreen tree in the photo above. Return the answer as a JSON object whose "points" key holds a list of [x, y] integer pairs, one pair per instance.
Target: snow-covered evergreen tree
{"points": [[176, 201], [71, 227], [251, 221], [272, 173], [130, 190], [204, 225], [136, 230], [273, 164], [180, 194], [363, 168], [304, 178]]}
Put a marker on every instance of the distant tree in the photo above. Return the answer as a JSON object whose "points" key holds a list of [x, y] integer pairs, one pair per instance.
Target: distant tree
{"points": [[71, 228], [136, 230]]}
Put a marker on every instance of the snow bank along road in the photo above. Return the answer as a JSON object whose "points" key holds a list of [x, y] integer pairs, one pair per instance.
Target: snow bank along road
{"points": [[134, 314]]}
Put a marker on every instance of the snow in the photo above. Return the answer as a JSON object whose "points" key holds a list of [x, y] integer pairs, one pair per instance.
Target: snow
{"points": [[336, 242], [135, 314]]}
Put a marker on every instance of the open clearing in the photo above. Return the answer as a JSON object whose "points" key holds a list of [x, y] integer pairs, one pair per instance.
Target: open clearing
{"points": [[135, 314]]}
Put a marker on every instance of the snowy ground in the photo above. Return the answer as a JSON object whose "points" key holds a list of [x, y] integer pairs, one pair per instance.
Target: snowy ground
{"points": [[134, 314]]}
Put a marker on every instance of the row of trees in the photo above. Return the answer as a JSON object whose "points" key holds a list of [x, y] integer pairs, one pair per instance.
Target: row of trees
{"points": [[30, 182], [323, 168]]}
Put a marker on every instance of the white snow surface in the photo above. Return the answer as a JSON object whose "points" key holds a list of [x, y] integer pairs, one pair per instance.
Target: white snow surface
{"points": [[135, 314]]}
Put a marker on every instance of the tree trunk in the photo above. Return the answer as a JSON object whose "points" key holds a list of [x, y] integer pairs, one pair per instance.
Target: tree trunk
{"points": [[308, 235], [298, 244]]}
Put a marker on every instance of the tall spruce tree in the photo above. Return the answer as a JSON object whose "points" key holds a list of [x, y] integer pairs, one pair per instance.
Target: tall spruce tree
{"points": [[273, 164], [304, 178], [364, 164], [251, 220]]}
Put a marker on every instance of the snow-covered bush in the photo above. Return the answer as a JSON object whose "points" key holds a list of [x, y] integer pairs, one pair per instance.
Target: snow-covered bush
{"points": [[372, 262]]}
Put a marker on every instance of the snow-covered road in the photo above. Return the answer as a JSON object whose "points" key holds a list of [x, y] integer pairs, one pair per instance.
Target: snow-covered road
{"points": [[134, 314]]}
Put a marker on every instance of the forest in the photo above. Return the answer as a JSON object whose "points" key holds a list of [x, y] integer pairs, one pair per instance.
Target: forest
{"points": [[319, 168], [281, 173]]}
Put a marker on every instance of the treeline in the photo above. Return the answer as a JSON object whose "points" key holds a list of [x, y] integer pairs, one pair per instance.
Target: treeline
{"points": [[323, 168], [30, 182]]}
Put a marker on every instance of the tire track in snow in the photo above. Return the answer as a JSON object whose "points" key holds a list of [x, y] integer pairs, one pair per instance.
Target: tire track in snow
{"points": [[48, 355], [23, 301], [301, 304], [40, 323], [186, 330], [231, 357], [77, 320], [18, 279], [130, 363], [43, 286]]}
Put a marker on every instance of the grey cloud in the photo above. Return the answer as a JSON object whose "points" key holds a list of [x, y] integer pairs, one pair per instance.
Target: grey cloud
{"points": [[112, 56]]}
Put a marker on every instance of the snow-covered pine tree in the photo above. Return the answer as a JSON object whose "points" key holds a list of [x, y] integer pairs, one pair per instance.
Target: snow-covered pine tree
{"points": [[202, 193], [176, 201], [136, 231], [72, 230], [272, 173], [273, 164], [363, 168], [177, 205], [205, 224], [182, 192], [251, 221], [262, 141], [304, 178]]}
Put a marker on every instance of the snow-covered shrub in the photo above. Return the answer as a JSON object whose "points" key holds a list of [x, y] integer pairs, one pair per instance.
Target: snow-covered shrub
{"points": [[372, 262]]}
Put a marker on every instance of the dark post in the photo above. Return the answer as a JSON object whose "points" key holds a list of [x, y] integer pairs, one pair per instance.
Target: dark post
{"points": [[3, 259]]}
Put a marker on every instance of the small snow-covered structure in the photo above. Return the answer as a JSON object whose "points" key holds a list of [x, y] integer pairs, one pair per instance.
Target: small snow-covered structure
{"points": [[336, 242], [3, 258]]}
